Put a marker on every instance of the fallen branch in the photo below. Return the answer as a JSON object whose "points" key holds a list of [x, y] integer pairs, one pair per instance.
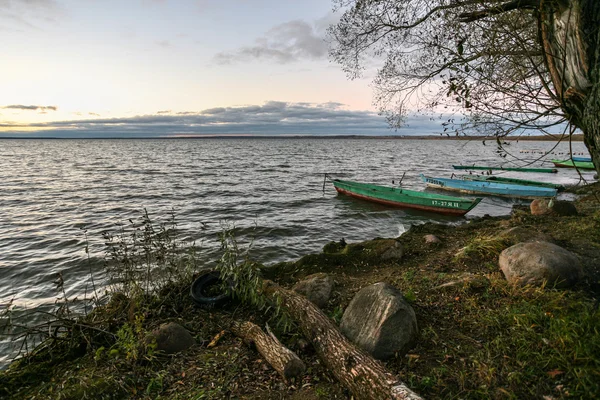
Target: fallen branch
{"points": [[354, 368], [282, 359]]}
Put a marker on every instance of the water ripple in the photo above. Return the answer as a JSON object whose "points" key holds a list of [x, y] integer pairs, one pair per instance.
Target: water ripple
{"points": [[272, 190]]}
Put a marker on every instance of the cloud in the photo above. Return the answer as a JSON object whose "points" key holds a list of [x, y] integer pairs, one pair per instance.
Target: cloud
{"points": [[271, 118], [25, 13], [153, 2], [30, 108], [29, 4], [285, 43]]}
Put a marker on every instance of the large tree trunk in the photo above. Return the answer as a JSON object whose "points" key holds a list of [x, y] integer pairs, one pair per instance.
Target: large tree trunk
{"points": [[359, 372], [570, 35], [282, 359]]}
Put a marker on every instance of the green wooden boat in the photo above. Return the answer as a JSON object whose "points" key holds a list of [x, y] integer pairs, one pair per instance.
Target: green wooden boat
{"points": [[475, 167], [404, 198], [514, 181], [573, 164]]}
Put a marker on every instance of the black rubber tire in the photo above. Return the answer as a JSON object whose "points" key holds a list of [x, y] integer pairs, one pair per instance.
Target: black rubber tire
{"points": [[199, 289]]}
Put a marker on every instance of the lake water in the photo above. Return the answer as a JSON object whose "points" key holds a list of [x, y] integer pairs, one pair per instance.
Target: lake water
{"points": [[271, 189]]}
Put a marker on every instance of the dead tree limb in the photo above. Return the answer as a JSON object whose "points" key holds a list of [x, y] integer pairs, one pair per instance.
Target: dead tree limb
{"points": [[282, 359], [354, 368]]}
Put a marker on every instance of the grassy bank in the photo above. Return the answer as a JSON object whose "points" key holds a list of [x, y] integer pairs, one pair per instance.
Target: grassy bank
{"points": [[479, 337]]}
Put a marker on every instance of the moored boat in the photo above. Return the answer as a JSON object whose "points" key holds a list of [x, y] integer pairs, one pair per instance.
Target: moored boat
{"points": [[493, 188], [582, 159], [485, 168], [573, 164], [404, 198], [513, 181]]}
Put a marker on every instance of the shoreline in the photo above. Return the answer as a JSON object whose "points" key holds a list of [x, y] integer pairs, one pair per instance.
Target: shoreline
{"points": [[433, 136], [481, 339]]}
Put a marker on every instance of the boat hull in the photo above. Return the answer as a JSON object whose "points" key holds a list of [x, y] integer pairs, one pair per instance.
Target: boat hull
{"points": [[483, 168], [573, 164], [513, 181], [403, 198], [582, 159], [490, 188]]}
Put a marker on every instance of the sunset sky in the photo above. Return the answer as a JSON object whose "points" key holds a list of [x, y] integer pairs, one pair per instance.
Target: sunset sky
{"points": [[91, 68]]}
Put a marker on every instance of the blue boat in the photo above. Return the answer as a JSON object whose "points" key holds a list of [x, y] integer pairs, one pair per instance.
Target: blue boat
{"points": [[493, 188], [582, 159]]}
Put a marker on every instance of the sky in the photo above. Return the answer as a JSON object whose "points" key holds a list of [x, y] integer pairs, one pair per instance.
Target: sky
{"points": [[146, 68]]}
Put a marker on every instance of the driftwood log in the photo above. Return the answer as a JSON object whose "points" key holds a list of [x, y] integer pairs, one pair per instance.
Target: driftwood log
{"points": [[354, 368], [282, 359]]}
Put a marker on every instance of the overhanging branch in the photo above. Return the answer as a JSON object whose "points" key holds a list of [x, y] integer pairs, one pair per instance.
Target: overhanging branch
{"points": [[502, 8]]}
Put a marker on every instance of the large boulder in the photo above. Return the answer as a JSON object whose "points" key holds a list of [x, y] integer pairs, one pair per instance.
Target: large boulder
{"points": [[380, 321], [171, 338], [316, 288], [552, 206], [535, 263]]}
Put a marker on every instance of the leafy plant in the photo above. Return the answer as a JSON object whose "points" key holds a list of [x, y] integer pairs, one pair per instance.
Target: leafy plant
{"points": [[242, 277], [337, 314], [146, 255]]}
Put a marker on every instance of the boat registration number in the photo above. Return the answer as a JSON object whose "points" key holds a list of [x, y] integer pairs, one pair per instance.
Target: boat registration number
{"points": [[435, 182], [442, 203]]}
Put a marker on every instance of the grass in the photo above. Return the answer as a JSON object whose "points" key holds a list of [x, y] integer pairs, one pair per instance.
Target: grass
{"points": [[508, 343], [483, 246]]}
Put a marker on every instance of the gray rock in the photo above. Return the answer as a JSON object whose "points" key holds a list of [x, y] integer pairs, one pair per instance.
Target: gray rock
{"points": [[316, 288], [552, 206], [380, 321], [432, 239], [537, 262], [171, 338], [334, 247], [564, 208], [394, 252]]}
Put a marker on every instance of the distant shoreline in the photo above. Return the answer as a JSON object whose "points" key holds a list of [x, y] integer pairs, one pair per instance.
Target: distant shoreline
{"points": [[544, 138]]}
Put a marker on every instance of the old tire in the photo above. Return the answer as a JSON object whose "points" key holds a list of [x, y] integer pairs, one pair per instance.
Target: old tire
{"points": [[202, 287]]}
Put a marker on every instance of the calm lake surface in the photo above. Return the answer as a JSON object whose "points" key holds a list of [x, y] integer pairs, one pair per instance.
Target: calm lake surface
{"points": [[271, 189]]}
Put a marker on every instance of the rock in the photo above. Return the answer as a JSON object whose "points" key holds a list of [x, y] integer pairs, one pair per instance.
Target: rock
{"points": [[519, 234], [472, 281], [316, 288], [564, 208], [551, 206], [172, 338], [595, 176], [540, 207], [432, 239], [393, 252], [537, 262], [334, 247], [380, 321]]}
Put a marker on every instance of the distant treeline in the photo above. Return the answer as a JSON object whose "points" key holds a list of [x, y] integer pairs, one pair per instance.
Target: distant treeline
{"points": [[574, 138]]}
